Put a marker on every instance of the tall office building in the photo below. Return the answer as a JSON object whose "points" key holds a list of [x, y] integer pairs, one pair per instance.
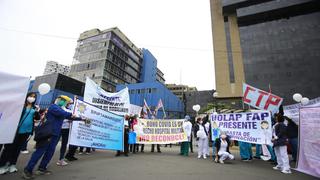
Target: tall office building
{"points": [[266, 43], [180, 90], [55, 67], [108, 57]]}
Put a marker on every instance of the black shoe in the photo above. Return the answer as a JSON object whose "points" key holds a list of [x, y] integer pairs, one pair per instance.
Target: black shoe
{"points": [[142, 151], [159, 151], [71, 158], [117, 154], [27, 175], [126, 155], [256, 157], [43, 172], [152, 151]]}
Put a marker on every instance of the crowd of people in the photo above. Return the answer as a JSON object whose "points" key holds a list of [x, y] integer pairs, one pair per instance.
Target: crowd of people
{"points": [[50, 125]]}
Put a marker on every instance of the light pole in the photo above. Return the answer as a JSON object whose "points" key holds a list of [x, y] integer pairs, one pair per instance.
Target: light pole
{"points": [[215, 95]]}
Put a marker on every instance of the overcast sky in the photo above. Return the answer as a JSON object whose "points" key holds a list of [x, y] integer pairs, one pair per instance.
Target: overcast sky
{"points": [[177, 32]]}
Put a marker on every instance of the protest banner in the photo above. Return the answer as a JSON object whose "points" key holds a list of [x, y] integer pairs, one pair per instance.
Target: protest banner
{"points": [[309, 141], [292, 111], [13, 90], [135, 110], [117, 103], [252, 127], [260, 99], [104, 132], [151, 131]]}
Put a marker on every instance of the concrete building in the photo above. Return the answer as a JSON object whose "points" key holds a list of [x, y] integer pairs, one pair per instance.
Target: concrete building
{"points": [[197, 97], [55, 67], [108, 57], [266, 42], [180, 90], [152, 92]]}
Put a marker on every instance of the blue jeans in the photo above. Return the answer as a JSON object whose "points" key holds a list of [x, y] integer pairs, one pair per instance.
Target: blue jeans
{"points": [[294, 146], [245, 150], [213, 149], [46, 151]]}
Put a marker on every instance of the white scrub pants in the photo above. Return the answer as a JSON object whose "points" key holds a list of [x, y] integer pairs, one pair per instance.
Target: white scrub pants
{"points": [[225, 156], [202, 146], [282, 157]]}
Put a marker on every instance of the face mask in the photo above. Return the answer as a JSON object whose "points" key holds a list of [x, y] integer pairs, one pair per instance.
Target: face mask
{"points": [[285, 122], [62, 103], [223, 136], [200, 122], [31, 99]]}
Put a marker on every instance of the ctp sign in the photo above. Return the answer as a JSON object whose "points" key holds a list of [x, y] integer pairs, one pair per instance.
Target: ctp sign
{"points": [[261, 99]]}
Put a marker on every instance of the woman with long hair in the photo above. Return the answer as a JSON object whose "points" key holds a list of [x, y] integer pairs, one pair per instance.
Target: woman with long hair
{"points": [[11, 151]]}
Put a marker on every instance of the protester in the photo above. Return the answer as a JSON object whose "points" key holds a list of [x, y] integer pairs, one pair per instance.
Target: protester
{"points": [[222, 147], [279, 142], [292, 130], [133, 122], [215, 135], [11, 151], [64, 136], [245, 151], [55, 117], [158, 148], [201, 135], [187, 127], [126, 138], [207, 125]]}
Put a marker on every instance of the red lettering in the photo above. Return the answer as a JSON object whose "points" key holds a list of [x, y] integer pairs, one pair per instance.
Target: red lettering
{"points": [[273, 100], [246, 94], [262, 93]]}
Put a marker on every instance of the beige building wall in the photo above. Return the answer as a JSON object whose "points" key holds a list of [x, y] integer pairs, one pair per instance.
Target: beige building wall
{"points": [[223, 85]]}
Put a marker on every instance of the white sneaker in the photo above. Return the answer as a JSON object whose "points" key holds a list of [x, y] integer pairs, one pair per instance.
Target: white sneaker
{"points": [[12, 169], [221, 161], [199, 156], [62, 163], [80, 153], [277, 168], [286, 171], [25, 152], [204, 157], [4, 169], [87, 153]]}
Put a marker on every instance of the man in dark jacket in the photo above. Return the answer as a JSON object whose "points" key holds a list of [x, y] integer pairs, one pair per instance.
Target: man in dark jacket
{"points": [[292, 132]]}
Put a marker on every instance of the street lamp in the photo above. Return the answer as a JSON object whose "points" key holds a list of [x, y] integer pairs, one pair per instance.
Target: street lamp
{"points": [[215, 95]]}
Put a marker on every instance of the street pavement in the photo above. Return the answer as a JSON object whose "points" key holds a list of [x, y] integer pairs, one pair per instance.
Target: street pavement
{"points": [[168, 165]]}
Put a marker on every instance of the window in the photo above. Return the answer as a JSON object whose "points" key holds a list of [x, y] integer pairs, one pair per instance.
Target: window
{"points": [[154, 90], [138, 91]]}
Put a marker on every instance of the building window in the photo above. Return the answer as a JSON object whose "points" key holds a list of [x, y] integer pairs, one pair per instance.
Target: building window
{"points": [[149, 90], [143, 91], [138, 91]]}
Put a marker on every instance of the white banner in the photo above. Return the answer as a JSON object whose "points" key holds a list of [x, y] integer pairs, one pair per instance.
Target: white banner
{"points": [[117, 103], [135, 110], [252, 127], [13, 90], [292, 111]]}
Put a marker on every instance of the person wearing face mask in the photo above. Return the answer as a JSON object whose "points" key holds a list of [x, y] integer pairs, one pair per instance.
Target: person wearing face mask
{"points": [[222, 147], [55, 116], [201, 135], [11, 151]]}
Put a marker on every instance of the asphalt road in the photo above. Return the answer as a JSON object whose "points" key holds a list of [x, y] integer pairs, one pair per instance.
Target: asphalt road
{"points": [[168, 165]]}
